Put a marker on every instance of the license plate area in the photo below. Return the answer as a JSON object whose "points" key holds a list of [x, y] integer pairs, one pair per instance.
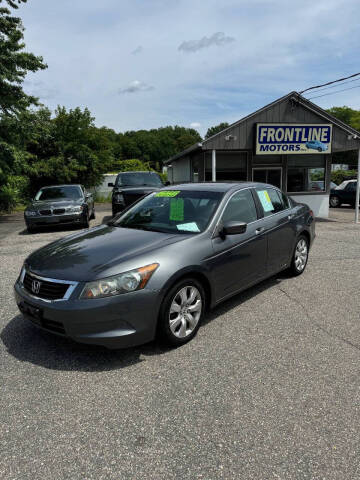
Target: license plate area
{"points": [[35, 314]]}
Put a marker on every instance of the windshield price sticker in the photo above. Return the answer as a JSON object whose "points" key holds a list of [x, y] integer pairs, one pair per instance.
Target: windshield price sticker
{"points": [[167, 193], [188, 227], [177, 209], [265, 201]]}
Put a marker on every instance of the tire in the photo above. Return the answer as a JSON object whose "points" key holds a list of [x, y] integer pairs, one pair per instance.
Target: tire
{"points": [[92, 216], [320, 149], [31, 229], [175, 327], [86, 223], [334, 201], [300, 256]]}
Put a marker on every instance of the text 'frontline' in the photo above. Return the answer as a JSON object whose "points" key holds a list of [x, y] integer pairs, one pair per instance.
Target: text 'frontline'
{"points": [[293, 138]]}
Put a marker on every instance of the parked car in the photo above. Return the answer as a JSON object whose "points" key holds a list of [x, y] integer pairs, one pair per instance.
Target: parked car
{"points": [[343, 193], [131, 186], [156, 269], [60, 204], [316, 145]]}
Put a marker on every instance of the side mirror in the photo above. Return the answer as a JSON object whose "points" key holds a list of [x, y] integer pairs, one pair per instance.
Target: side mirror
{"points": [[234, 228], [88, 195], [167, 183], [110, 184]]}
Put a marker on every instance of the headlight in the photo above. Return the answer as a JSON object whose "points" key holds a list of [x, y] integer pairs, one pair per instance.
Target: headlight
{"points": [[122, 283], [119, 198], [30, 213], [77, 209]]}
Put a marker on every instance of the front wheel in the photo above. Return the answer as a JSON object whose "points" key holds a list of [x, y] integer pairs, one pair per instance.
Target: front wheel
{"points": [[181, 312], [334, 201], [86, 223], [92, 216], [300, 256]]}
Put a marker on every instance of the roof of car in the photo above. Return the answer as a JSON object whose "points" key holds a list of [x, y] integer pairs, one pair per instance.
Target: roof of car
{"points": [[138, 171], [217, 186], [63, 185]]}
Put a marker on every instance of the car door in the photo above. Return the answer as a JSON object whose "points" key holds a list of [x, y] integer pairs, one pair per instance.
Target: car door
{"points": [[239, 260], [349, 193], [279, 225]]}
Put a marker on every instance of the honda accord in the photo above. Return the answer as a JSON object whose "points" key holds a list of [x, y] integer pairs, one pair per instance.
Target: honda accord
{"points": [[157, 267]]}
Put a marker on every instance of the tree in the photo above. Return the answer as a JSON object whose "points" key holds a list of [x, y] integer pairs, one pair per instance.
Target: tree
{"points": [[218, 128], [15, 63], [350, 117]]}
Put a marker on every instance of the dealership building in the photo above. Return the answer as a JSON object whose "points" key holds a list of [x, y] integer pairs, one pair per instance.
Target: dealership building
{"points": [[288, 143]]}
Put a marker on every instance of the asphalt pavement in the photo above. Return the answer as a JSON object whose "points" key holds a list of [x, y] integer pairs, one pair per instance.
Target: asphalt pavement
{"points": [[269, 388]]}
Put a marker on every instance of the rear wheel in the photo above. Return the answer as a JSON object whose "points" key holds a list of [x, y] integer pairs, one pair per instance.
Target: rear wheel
{"points": [[181, 312], [319, 149], [334, 201], [92, 216], [300, 256]]}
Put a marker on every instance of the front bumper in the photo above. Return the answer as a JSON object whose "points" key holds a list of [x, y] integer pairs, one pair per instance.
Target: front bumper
{"points": [[44, 220], [116, 322]]}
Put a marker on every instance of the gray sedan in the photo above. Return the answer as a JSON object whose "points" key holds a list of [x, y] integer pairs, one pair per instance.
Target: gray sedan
{"points": [[157, 267], [58, 205]]}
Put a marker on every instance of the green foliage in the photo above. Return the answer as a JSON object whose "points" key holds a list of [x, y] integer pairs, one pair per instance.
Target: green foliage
{"points": [[130, 166], [163, 176], [338, 176], [216, 129], [15, 63], [101, 198], [13, 192], [347, 115]]}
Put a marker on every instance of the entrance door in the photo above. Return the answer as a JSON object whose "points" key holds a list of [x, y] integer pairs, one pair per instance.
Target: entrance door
{"points": [[272, 175]]}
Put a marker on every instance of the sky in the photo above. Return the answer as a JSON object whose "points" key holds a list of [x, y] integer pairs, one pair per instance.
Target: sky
{"points": [[141, 64]]}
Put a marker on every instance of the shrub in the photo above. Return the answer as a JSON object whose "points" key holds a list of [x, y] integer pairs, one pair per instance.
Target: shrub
{"points": [[8, 198], [338, 176]]}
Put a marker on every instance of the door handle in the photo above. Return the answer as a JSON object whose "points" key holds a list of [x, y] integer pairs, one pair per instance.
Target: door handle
{"points": [[259, 230]]}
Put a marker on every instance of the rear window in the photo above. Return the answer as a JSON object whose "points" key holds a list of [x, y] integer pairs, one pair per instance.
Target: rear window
{"points": [[135, 179]]}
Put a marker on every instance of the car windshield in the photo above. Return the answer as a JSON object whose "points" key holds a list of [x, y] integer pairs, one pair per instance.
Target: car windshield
{"points": [[56, 193], [134, 179], [172, 211], [343, 185]]}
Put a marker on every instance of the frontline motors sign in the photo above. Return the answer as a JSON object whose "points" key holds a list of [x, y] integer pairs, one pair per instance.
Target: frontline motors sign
{"points": [[286, 138]]}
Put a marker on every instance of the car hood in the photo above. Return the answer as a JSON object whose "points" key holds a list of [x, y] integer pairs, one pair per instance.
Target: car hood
{"points": [[96, 253], [47, 204]]}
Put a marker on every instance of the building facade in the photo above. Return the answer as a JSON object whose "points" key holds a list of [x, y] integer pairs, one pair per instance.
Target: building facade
{"points": [[288, 143]]}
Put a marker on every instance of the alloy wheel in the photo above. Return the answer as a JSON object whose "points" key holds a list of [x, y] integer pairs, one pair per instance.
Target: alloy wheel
{"points": [[301, 255], [185, 311]]}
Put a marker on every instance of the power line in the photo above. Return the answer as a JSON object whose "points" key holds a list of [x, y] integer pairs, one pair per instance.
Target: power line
{"points": [[330, 83], [333, 93], [334, 86]]}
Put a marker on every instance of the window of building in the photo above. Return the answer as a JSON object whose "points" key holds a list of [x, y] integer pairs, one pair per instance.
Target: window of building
{"points": [[241, 208], [306, 173], [229, 166]]}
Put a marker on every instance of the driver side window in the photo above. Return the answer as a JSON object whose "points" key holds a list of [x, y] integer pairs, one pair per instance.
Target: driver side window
{"points": [[241, 208]]}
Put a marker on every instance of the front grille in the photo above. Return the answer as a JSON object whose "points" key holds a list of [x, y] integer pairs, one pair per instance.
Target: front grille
{"points": [[45, 212], [130, 198], [48, 290], [59, 211]]}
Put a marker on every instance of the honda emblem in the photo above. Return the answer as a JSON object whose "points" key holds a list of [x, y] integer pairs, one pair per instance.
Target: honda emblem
{"points": [[35, 286]]}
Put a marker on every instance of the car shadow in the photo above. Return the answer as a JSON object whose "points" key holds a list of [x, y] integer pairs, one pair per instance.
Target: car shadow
{"points": [[27, 343], [242, 297]]}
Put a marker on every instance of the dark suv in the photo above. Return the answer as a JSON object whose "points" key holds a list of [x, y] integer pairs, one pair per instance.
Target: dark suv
{"points": [[130, 186]]}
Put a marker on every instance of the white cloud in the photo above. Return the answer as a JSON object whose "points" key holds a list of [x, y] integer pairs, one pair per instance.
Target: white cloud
{"points": [[219, 39], [136, 86], [137, 50], [195, 125]]}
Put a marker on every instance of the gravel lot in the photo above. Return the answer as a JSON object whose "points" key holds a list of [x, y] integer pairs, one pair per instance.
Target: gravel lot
{"points": [[269, 388]]}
